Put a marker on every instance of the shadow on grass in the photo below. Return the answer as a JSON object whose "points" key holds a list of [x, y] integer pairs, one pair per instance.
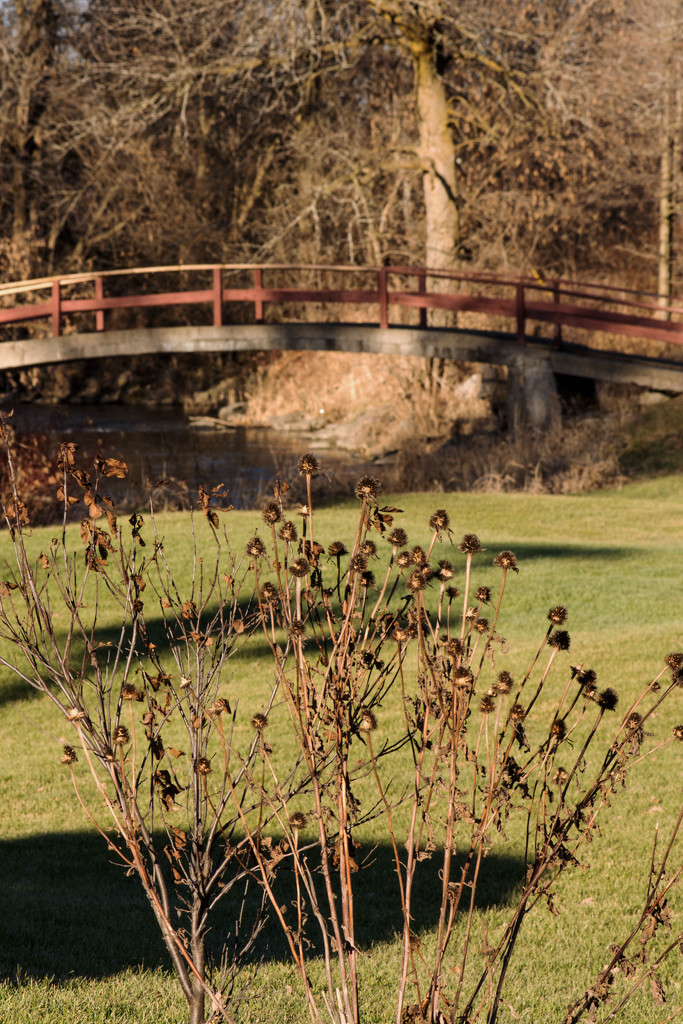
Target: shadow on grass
{"points": [[560, 552], [68, 911]]}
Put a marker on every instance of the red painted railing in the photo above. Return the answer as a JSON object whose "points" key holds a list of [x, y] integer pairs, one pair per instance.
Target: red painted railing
{"points": [[508, 301]]}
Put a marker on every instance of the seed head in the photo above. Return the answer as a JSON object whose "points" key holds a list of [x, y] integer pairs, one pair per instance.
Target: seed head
{"points": [[69, 755], [558, 729], [674, 660], [506, 560], [419, 578], [129, 692], [121, 736], [368, 487], [368, 722], [337, 549], [558, 615], [634, 721], [75, 714], [358, 563], [463, 678], [259, 721], [287, 532], [678, 732], [309, 465], [487, 704], [560, 777], [470, 544], [298, 820], [398, 538], [505, 682], [203, 766], [418, 556], [271, 513], [607, 699], [452, 593], [517, 713], [483, 594], [269, 595], [439, 520], [482, 625], [297, 629], [402, 634], [368, 548], [403, 559], [299, 567], [367, 579], [256, 548], [445, 570], [560, 639], [455, 647]]}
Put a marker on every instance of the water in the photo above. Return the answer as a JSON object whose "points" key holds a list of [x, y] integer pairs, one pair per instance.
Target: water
{"points": [[162, 443]]}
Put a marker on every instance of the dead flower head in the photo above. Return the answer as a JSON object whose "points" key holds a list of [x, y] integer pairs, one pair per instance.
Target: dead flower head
{"points": [[121, 736], [607, 699], [287, 532], [69, 755], [558, 615], [259, 721], [560, 639], [256, 548], [298, 820], [337, 549], [470, 544], [487, 704], [368, 722], [299, 567], [271, 513], [439, 520], [398, 538], [678, 732], [309, 465], [558, 729], [368, 487], [506, 560], [445, 570], [505, 682], [203, 766]]}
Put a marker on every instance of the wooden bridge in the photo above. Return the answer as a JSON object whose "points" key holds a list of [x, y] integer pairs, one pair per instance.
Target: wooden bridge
{"points": [[531, 325]]}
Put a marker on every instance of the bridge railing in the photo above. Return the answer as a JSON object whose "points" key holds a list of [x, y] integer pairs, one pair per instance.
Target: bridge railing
{"points": [[381, 295]]}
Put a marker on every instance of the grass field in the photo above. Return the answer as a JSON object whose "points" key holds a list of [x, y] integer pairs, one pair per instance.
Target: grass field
{"points": [[78, 943]]}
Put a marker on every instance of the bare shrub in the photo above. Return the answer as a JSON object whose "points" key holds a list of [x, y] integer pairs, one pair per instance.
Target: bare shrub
{"points": [[206, 804]]}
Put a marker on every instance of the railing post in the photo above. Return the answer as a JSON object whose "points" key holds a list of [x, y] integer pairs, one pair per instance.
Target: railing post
{"points": [[557, 336], [519, 304], [99, 295], [258, 301], [382, 297], [422, 290], [217, 297], [56, 309]]}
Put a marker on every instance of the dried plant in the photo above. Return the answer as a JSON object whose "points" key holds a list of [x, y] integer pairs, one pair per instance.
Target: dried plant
{"points": [[357, 637]]}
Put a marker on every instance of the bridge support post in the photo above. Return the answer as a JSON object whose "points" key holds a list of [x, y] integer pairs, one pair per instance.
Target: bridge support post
{"points": [[532, 392]]}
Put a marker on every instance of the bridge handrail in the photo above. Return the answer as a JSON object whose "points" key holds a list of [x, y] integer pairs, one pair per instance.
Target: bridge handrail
{"points": [[571, 303]]}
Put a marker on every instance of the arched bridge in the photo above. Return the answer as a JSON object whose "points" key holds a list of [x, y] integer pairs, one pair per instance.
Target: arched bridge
{"points": [[521, 322]]}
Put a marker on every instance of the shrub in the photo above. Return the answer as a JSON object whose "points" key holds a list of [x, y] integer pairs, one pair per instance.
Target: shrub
{"points": [[206, 804]]}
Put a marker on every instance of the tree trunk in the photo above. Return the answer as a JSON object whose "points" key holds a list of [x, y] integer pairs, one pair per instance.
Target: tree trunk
{"points": [[437, 155]]}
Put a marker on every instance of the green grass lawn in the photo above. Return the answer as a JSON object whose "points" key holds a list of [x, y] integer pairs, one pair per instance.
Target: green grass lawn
{"points": [[77, 941]]}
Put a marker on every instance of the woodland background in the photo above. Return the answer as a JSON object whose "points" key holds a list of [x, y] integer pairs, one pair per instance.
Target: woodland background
{"points": [[533, 138]]}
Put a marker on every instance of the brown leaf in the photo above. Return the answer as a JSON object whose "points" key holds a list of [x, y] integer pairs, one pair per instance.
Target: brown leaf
{"points": [[657, 989], [112, 467], [175, 753]]}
